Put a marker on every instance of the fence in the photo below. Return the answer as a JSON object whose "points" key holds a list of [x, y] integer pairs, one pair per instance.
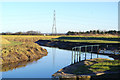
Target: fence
{"points": [[76, 52]]}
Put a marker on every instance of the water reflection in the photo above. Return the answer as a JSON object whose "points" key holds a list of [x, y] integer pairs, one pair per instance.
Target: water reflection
{"points": [[11, 66], [53, 55]]}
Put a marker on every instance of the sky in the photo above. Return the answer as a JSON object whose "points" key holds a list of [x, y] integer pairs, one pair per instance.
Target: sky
{"points": [[70, 16]]}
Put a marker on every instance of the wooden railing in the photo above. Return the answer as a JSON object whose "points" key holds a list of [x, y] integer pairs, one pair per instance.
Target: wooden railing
{"points": [[76, 52]]}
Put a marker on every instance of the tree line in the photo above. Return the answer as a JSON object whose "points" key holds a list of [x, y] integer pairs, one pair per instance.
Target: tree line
{"points": [[113, 32], [22, 33]]}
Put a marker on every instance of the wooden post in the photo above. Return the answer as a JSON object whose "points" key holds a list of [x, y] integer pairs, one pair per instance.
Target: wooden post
{"points": [[72, 57], [85, 51], [107, 47], [97, 51], [91, 51], [80, 54], [114, 52], [75, 55]]}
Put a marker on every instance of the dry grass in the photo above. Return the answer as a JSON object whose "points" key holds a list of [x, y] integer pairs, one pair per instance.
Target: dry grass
{"points": [[21, 48], [21, 52], [96, 35], [4, 41], [27, 38]]}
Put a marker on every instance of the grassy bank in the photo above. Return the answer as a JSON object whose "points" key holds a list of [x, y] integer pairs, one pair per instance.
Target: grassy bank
{"points": [[20, 48], [92, 68], [21, 52], [98, 65]]}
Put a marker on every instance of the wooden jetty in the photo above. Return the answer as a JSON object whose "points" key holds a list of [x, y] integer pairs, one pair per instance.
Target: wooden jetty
{"points": [[76, 52]]}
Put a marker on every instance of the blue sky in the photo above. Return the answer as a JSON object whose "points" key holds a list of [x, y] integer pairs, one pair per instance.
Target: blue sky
{"points": [[70, 16]]}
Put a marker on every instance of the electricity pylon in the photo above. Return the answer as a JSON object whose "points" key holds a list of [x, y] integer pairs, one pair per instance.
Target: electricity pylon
{"points": [[54, 30]]}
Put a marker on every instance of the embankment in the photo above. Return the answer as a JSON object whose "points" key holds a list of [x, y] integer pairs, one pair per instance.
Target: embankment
{"points": [[21, 48], [22, 52], [70, 45]]}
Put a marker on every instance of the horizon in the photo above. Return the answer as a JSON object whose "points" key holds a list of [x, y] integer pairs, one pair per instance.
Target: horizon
{"points": [[70, 16]]}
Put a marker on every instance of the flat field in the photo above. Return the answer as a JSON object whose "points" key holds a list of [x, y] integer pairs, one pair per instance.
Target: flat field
{"points": [[89, 38], [27, 38]]}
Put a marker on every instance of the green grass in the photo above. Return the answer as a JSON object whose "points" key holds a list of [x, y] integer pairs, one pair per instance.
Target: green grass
{"points": [[111, 65], [88, 41], [92, 41], [98, 65], [98, 36], [12, 43]]}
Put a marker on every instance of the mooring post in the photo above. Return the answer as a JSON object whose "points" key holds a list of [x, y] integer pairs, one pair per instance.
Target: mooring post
{"points": [[85, 51], [91, 51], [114, 52], [75, 55], [107, 46], [97, 50], [80, 54], [72, 57]]}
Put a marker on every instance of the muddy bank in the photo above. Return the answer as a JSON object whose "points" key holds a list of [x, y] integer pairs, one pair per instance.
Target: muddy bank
{"points": [[70, 45]]}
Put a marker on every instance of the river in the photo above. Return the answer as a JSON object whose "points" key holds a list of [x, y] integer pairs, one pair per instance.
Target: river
{"points": [[46, 66]]}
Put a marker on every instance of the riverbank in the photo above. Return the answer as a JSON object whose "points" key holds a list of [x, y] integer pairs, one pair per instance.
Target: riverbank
{"points": [[19, 49], [91, 69], [21, 52], [70, 45]]}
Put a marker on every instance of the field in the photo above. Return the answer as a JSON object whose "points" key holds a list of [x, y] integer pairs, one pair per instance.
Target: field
{"points": [[27, 38], [4, 41], [67, 38], [89, 39]]}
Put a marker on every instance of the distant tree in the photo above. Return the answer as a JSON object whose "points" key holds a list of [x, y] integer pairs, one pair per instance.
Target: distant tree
{"points": [[94, 31], [70, 33], [33, 32], [118, 32], [101, 32], [98, 32], [87, 32], [91, 31], [18, 33]]}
